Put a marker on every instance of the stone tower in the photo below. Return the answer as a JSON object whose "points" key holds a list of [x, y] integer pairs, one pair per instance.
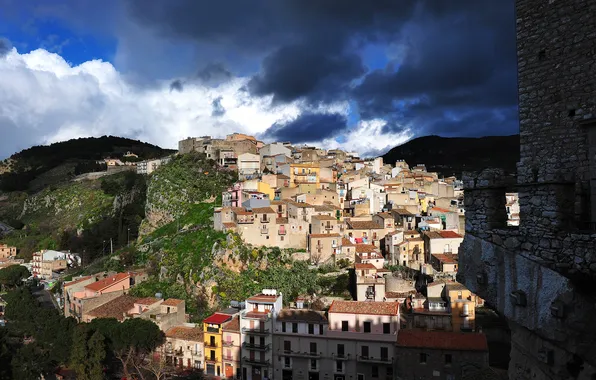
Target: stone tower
{"points": [[541, 275]]}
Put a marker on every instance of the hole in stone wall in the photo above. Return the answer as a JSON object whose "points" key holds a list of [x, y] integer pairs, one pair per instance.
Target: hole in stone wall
{"points": [[512, 208], [571, 113], [541, 55]]}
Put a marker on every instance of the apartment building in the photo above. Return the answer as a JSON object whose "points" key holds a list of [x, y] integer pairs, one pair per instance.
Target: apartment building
{"points": [[439, 354], [46, 262], [301, 346], [213, 335], [149, 166], [365, 334], [440, 242], [7, 252], [323, 247], [257, 322], [305, 173], [325, 224], [232, 348], [369, 282], [365, 231], [249, 165], [86, 294], [183, 347]]}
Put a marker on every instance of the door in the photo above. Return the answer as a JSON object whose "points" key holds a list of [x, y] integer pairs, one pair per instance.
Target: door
{"points": [[256, 373], [229, 370]]}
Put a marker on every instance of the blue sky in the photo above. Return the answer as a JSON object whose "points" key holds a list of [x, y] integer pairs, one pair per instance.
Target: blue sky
{"points": [[351, 75]]}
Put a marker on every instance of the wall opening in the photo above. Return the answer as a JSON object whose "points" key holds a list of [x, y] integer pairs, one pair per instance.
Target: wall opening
{"points": [[512, 209]]}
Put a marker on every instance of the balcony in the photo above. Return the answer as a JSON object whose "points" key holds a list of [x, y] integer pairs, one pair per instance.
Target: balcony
{"points": [[229, 358], [211, 360], [246, 330], [298, 354], [227, 343], [281, 232], [177, 352], [305, 180], [265, 220], [264, 231], [370, 294], [264, 362], [256, 347], [257, 315], [245, 220], [340, 356], [211, 344], [214, 330], [370, 359], [328, 227]]}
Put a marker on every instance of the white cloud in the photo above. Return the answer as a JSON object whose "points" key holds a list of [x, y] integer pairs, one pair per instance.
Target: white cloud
{"points": [[44, 99]]}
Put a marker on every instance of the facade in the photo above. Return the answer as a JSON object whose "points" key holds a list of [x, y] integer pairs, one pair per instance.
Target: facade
{"points": [[7, 252], [441, 242], [439, 355], [370, 282], [541, 271], [213, 334], [149, 166], [323, 247], [183, 348], [46, 262], [232, 349], [257, 322], [249, 165]]}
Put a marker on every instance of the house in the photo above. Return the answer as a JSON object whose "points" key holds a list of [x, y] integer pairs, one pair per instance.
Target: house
{"points": [[441, 242], [46, 262], [367, 232], [325, 224], [149, 166], [183, 347], [85, 294], [439, 354], [369, 254], [404, 218], [232, 348], [323, 247], [212, 329], [7, 252], [462, 303], [249, 165], [444, 262], [370, 282]]}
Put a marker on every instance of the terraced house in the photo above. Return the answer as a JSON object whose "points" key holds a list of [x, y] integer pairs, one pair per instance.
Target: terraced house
{"points": [[213, 334]]}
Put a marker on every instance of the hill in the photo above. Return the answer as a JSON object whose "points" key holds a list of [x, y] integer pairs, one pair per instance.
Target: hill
{"points": [[34, 168], [452, 155]]}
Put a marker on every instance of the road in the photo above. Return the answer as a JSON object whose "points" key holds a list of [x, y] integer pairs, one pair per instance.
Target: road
{"points": [[45, 298]]}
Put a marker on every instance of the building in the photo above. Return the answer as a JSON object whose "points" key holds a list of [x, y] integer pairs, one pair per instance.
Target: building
{"points": [[370, 282], [539, 275], [323, 247], [149, 166], [232, 349], [212, 328], [47, 262], [249, 165], [301, 348], [304, 173], [7, 252], [183, 347], [362, 337], [441, 242], [257, 322], [439, 354]]}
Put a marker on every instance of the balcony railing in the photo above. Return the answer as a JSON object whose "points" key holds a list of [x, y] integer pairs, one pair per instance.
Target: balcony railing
{"points": [[211, 359], [370, 359], [211, 344], [265, 220], [256, 361], [305, 354], [230, 358], [245, 221], [264, 231], [328, 227], [228, 343], [256, 347], [282, 232], [247, 330], [341, 356], [213, 330]]}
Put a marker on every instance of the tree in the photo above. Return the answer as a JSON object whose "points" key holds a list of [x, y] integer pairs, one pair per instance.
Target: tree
{"points": [[315, 257], [97, 354], [13, 276], [158, 367], [30, 363]]}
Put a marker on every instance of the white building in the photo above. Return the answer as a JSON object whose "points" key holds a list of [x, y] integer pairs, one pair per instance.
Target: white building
{"points": [[248, 165], [149, 166]]}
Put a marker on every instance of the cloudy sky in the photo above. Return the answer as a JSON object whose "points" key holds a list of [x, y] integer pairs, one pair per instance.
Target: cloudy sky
{"points": [[361, 75]]}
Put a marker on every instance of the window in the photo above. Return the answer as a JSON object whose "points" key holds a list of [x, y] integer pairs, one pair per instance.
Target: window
{"points": [[287, 362], [364, 351], [389, 372], [321, 330], [366, 327], [287, 346], [339, 366], [448, 359], [360, 376], [375, 371], [294, 327], [283, 327], [311, 328], [313, 348], [313, 364], [386, 328], [340, 350], [423, 358], [344, 325], [459, 295], [384, 353]]}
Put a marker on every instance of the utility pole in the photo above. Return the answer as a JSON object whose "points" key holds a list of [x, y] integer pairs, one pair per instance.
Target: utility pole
{"points": [[111, 247], [128, 237]]}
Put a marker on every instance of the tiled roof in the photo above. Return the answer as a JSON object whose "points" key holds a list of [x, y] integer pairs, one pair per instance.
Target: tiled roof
{"points": [[324, 217], [229, 224], [442, 340], [233, 325], [324, 235], [263, 210], [347, 243], [361, 307], [147, 301], [449, 234], [385, 215], [321, 208], [359, 266], [411, 232], [281, 221], [278, 203], [292, 315], [240, 211], [74, 282], [446, 258], [363, 225], [100, 285], [263, 298], [172, 302], [402, 211], [115, 308], [396, 232], [436, 283], [282, 176], [186, 333], [366, 248], [300, 204], [456, 286], [217, 318], [440, 209], [399, 294]]}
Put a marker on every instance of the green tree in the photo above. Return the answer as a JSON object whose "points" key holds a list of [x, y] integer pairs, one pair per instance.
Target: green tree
{"points": [[13, 276], [30, 363]]}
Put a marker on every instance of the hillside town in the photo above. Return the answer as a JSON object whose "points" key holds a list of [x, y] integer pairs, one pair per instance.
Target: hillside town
{"points": [[394, 228]]}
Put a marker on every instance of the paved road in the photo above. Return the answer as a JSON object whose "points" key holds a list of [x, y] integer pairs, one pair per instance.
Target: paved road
{"points": [[45, 298]]}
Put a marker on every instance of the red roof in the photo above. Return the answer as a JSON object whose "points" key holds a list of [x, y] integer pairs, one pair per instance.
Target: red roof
{"points": [[364, 266], [445, 258], [73, 282], [442, 340], [172, 302], [217, 318], [362, 307], [263, 298], [439, 209], [98, 286], [449, 234]]}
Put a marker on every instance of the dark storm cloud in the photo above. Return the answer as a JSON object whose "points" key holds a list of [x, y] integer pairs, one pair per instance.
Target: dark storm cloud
{"points": [[5, 46], [176, 86], [307, 128], [297, 71], [218, 108], [214, 74], [459, 73]]}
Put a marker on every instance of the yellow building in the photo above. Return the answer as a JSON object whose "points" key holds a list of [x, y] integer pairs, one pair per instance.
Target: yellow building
{"points": [[212, 328], [305, 173], [264, 187], [463, 306]]}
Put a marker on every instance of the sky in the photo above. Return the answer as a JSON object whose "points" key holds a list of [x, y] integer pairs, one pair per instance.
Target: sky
{"points": [[358, 75]]}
